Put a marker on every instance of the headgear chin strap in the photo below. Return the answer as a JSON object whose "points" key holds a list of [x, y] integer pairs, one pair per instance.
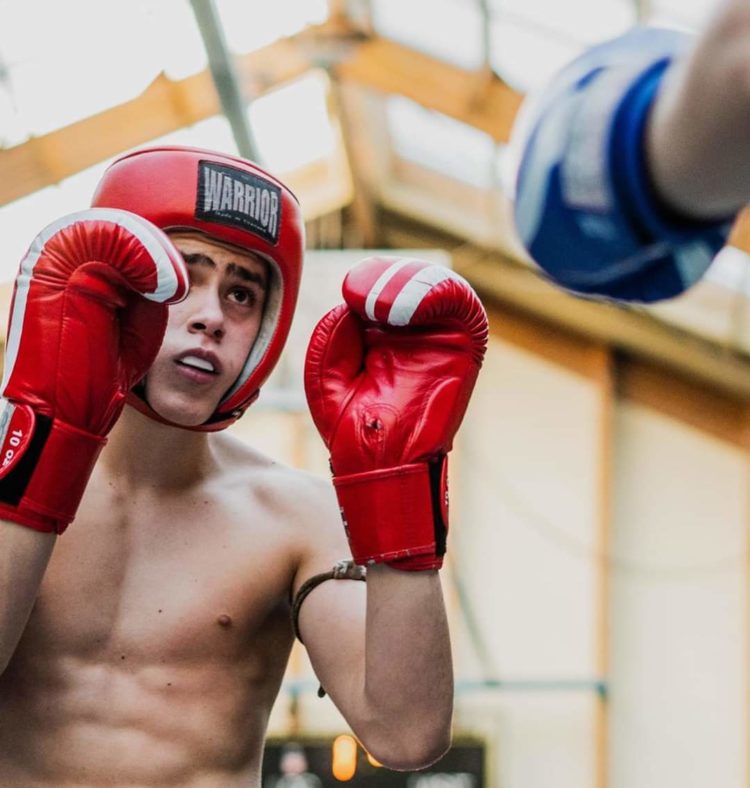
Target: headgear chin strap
{"points": [[233, 201]]}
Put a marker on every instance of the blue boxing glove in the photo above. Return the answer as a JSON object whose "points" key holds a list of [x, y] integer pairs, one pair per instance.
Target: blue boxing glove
{"points": [[585, 208]]}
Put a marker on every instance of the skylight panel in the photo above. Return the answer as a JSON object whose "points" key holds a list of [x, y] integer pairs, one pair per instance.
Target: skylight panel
{"points": [[440, 143], [214, 133], [577, 21], [525, 58], [532, 39], [292, 126], [249, 26], [107, 54], [682, 14], [450, 30], [12, 130]]}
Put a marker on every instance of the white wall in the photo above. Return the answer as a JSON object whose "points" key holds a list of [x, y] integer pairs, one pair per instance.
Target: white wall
{"points": [[524, 543], [679, 587]]}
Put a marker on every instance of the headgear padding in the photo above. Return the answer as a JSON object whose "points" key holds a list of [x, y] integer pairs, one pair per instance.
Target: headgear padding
{"points": [[233, 201]]}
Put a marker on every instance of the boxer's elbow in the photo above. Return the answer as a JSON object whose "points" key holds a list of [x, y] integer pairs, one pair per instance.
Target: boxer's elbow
{"points": [[410, 750], [423, 753]]}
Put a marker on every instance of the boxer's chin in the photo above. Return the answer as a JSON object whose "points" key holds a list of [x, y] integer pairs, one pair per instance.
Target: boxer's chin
{"points": [[178, 408]]}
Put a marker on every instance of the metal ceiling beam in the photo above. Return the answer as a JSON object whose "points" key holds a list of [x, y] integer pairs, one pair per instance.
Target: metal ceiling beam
{"points": [[642, 10], [224, 73], [486, 13]]}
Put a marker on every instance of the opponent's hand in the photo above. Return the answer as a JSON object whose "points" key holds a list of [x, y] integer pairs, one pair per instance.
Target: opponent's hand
{"points": [[388, 376], [87, 320], [586, 208]]}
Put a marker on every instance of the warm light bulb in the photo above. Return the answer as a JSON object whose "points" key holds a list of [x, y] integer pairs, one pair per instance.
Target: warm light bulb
{"points": [[344, 757]]}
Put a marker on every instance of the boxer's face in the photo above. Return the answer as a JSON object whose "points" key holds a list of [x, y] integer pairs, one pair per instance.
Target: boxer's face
{"points": [[210, 333]]}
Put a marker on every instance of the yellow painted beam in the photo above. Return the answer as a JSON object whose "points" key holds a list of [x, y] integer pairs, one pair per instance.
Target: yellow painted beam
{"points": [[472, 97], [163, 107], [168, 105]]}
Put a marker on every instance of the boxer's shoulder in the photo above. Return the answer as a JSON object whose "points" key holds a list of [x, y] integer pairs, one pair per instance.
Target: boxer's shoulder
{"points": [[289, 516], [297, 498]]}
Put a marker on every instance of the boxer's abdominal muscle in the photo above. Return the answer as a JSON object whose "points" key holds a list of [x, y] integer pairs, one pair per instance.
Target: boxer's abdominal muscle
{"points": [[109, 719], [153, 654]]}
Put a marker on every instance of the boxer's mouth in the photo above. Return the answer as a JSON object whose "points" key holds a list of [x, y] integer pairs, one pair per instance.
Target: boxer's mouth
{"points": [[200, 360]]}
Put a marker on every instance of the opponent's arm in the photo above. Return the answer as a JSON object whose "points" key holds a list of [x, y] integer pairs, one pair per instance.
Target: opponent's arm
{"points": [[87, 319], [698, 136], [388, 378], [632, 160]]}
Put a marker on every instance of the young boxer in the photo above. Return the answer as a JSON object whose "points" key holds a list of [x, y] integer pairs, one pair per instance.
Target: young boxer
{"points": [[149, 648]]}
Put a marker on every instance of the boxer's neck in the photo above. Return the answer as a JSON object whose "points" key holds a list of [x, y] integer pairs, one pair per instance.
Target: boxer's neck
{"points": [[145, 450]]}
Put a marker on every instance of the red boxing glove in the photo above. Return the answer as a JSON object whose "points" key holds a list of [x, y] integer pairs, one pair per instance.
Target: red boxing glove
{"points": [[388, 376], [87, 320]]}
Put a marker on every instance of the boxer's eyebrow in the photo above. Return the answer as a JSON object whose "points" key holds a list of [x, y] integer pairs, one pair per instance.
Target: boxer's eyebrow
{"points": [[235, 269], [245, 273]]}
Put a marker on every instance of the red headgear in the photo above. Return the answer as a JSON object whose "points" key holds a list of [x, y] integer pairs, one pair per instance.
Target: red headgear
{"points": [[232, 201]]}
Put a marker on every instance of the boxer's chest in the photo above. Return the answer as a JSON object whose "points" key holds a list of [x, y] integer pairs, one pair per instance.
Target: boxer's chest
{"points": [[164, 579]]}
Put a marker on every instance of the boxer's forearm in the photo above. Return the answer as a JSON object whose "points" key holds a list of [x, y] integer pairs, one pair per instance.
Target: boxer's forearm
{"points": [[388, 377], [699, 132], [24, 554], [408, 668], [381, 651]]}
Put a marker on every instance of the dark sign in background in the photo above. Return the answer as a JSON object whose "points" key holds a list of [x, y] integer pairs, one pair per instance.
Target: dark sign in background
{"points": [[463, 766]]}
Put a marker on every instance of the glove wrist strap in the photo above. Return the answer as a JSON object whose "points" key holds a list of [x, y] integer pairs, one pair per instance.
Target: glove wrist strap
{"points": [[389, 515], [46, 467], [53, 491]]}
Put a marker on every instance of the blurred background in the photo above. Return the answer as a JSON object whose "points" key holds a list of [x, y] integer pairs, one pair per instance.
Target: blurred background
{"points": [[597, 577]]}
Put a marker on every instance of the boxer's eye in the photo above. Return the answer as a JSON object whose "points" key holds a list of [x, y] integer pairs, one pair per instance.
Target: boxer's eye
{"points": [[243, 296]]}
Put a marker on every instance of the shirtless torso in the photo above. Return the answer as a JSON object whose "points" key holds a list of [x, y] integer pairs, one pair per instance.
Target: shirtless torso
{"points": [[160, 637]]}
